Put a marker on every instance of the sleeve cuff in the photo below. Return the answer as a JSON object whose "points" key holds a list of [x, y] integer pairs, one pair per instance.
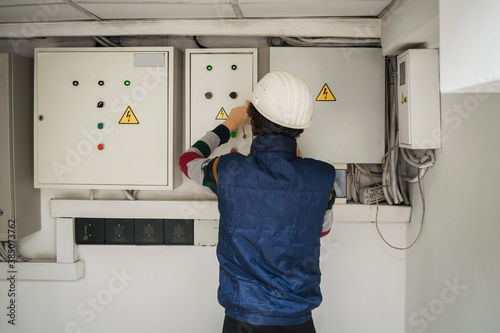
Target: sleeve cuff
{"points": [[223, 133]]}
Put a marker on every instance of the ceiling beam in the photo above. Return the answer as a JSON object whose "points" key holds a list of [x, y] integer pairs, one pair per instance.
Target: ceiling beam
{"points": [[313, 27]]}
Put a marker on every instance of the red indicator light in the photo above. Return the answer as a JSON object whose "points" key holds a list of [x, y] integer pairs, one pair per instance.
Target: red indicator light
{"points": [[100, 146]]}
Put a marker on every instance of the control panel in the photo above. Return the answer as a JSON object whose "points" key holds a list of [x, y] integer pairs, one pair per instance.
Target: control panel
{"points": [[348, 85], [108, 117], [218, 80]]}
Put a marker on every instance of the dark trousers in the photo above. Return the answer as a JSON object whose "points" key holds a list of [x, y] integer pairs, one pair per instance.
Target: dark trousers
{"points": [[232, 325]]}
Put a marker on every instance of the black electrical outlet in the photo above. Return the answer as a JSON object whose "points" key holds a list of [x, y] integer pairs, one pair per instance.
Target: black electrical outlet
{"points": [[89, 231], [149, 232], [179, 232], [119, 231]]}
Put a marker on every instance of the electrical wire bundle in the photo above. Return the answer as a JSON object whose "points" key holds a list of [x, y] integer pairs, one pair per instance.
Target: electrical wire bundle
{"points": [[393, 176], [4, 253]]}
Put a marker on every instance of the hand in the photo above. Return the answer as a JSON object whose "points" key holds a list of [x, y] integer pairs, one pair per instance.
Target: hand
{"points": [[237, 118]]}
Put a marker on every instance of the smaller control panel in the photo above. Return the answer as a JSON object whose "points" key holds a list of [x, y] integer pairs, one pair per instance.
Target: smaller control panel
{"points": [[218, 80]]}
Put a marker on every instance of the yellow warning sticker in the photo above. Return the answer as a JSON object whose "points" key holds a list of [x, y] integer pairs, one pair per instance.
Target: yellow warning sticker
{"points": [[402, 98], [222, 115], [129, 117], [326, 94]]}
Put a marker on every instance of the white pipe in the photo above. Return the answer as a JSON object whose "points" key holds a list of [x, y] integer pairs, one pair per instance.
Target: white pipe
{"points": [[422, 172], [128, 195]]}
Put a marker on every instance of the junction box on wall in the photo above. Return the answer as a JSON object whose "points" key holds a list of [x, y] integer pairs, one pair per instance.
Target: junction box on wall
{"points": [[218, 80], [108, 117], [418, 100]]}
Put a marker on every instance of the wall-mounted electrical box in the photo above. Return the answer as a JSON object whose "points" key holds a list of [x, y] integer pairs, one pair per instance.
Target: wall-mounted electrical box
{"points": [[418, 99], [108, 117], [218, 80], [19, 201], [348, 85]]}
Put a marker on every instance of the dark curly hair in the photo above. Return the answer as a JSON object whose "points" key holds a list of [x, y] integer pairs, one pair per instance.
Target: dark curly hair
{"points": [[263, 126]]}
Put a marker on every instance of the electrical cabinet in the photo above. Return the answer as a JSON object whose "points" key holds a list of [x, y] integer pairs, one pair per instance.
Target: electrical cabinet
{"points": [[348, 85], [218, 80], [19, 200], [418, 99], [108, 117]]}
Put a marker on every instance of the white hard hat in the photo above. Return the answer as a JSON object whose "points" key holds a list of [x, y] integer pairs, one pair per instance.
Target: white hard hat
{"points": [[284, 99]]}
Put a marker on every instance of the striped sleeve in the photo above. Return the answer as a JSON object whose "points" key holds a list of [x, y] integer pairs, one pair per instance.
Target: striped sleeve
{"points": [[328, 219], [196, 165]]}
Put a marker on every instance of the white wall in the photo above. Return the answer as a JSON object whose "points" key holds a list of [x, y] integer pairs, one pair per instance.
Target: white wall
{"points": [[459, 245], [173, 289], [470, 45], [410, 24]]}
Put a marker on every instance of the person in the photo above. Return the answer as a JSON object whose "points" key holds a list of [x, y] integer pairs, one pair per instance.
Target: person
{"points": [[274, 206]]}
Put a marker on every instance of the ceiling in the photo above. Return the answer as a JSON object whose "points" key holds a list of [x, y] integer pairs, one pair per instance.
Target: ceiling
{"points": [[22, 11]]}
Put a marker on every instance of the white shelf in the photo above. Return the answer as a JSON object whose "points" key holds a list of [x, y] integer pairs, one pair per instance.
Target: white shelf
{"points": [[44, 270], [185, 209]]}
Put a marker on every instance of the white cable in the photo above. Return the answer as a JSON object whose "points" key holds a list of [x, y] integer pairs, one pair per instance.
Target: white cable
{"points": [[395, 171], [411, 156], [374, 174], [353, 185], [357, 184], [331, 41], [397, 198], [109, 41], [402, 183], [431, 154], [408, 159], [422, 172], [92, 194], [3, 254], [385, 188], [101, 42], [128, 195]]}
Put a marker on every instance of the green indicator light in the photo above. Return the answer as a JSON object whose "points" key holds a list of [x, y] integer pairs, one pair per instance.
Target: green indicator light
{"points": [[233, 67], [100, 126], [209, 68], [101, 83], [233, 134], [127, 83], [75, 83]]}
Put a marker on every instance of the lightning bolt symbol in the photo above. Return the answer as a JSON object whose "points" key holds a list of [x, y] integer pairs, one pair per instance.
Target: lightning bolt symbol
{"points": [[325, 92], [128, 116]]}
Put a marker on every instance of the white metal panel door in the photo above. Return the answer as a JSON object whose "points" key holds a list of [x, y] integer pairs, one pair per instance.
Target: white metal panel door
{"points": [[82, 96], [349, 116]]}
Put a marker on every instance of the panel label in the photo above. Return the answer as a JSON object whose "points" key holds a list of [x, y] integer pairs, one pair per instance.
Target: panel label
{"points": [[326, 94], [222, 115], [129, 117]]}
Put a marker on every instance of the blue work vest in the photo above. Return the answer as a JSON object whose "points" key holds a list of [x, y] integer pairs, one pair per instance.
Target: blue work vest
{"points": [[272, 205]]}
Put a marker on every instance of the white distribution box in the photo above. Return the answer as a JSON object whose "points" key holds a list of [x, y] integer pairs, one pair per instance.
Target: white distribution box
{"points": [[418, 99], [348, 85], [108, 117], [218, 80]]}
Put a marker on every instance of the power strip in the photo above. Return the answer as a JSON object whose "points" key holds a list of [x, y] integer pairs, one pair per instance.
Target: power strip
{"points": [[368, 195]]}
